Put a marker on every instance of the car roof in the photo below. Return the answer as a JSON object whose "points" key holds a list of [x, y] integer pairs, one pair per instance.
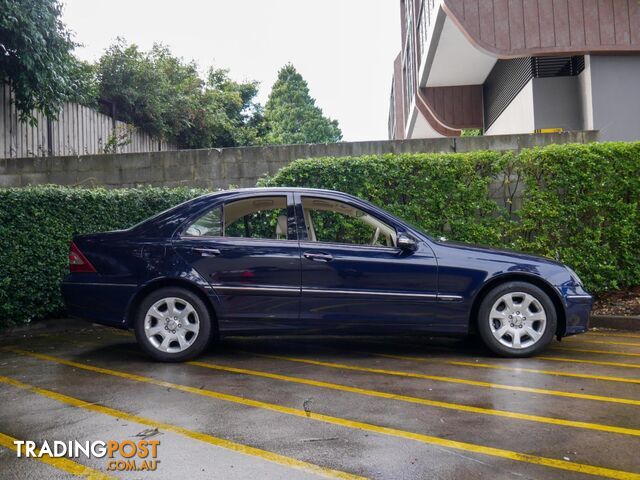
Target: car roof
{"points": [[155, 222], [258, 190], [272, 189]]}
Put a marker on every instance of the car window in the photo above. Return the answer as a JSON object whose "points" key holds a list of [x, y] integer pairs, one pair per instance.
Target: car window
{"points": [[208, 225], [258, 217], [336, 222]]}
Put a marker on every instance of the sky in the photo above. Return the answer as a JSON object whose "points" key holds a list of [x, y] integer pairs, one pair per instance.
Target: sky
{"points": [[343, 48]]}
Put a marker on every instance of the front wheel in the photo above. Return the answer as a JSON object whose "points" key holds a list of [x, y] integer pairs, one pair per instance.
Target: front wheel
{"points": [[172, 325], [517, 319]]}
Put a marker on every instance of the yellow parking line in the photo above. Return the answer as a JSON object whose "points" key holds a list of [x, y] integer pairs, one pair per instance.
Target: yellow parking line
{"points": [[612, 334], [516, 369], [536, 371], [604, 352], [202, 437], [354, 424], [463, 381], [421, 401], [604, 342], [591, 362], [64, 464]]}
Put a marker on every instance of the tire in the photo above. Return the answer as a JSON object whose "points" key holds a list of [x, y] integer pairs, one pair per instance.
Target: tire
{"points": [[517, 319], [177, 337]]}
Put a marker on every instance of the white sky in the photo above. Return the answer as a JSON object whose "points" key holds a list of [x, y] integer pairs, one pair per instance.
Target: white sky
{"points": [[343, 48]]}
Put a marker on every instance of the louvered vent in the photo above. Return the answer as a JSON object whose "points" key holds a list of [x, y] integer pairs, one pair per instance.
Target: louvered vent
{"points": [[557, 66], [504, 82], [509, 77]]}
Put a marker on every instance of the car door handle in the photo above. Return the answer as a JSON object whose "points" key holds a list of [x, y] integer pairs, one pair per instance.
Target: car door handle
{"points": [[208, 252], [318, 257]]}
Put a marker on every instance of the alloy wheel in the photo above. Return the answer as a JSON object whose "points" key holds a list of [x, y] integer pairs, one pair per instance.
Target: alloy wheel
{"points": [[171, 325], [517, 320]]}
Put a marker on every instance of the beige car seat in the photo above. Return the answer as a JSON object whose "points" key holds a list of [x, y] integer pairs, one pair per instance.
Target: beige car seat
{"points": [[281, 228]]}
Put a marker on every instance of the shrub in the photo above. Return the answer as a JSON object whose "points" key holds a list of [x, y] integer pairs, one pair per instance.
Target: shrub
{"points": [[580, 205], [444, 194], [36, 226]]}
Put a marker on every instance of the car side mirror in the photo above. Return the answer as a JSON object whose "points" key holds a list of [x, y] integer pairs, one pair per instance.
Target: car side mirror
{"points": [[405, 242]]}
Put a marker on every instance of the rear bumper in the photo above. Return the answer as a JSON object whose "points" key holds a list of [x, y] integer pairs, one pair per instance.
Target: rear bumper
{"points": [[577, 307], [104, 303]]}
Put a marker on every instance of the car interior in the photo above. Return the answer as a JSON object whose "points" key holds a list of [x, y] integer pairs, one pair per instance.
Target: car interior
{"points": [[265, 217], [381, 233]]}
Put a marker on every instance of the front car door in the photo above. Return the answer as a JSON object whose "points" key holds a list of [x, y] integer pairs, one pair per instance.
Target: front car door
{"points": [[246, 247], [354, 277]]}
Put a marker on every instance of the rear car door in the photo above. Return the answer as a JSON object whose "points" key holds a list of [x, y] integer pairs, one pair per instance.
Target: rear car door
{"points": [[353, 275], [247, 249]]}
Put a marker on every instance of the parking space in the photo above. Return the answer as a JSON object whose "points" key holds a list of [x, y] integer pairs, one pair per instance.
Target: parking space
{"points": [[336, 407]]}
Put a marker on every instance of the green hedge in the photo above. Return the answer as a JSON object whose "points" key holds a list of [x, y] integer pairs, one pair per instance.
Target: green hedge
{"points": [[444, 194], [581, 206], [36, 225]]}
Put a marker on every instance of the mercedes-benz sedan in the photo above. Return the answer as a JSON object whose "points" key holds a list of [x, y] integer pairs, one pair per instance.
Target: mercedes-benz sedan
{"points": [[288, 260]]}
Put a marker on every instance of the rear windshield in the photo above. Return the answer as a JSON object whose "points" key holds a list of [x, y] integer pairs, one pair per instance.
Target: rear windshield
{"points": [[166, 212]]}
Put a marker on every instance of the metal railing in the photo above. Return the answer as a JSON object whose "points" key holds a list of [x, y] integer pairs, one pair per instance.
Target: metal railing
{"points": [[426, 15]]}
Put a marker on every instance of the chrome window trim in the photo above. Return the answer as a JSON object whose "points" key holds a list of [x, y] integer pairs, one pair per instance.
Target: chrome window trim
{"points": [[223, 240], [319, 245]]}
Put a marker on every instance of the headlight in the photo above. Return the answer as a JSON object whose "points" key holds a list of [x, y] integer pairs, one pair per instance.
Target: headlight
{"points": [[574, 275]]}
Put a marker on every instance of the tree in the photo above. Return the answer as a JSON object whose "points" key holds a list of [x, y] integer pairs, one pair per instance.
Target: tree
{"points": [[129, 80], [226, 114], [36, 58], [291, 114], [165, 96]]}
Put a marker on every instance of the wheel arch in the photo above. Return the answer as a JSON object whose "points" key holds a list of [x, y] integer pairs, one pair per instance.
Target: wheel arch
{"points": [[134, 303], [539, 282]]}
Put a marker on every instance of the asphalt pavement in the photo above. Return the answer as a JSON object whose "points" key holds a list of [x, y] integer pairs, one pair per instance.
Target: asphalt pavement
{"points": [[323, 407]]}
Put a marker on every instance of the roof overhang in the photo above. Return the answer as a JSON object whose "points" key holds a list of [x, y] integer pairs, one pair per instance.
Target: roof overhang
{"points": [[419, 127], [450, 58]]}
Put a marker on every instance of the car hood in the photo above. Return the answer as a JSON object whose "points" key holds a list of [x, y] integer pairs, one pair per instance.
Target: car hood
{"points": [[495, 253]]}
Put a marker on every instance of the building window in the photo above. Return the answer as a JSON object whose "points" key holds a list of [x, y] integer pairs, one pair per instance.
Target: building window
{"points": [[408, 73]]}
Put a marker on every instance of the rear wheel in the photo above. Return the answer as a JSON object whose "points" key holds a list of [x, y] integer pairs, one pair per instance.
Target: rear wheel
{"points": [[173, 324], [517, 319]]}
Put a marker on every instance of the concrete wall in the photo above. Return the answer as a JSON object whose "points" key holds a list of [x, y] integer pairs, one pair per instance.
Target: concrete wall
{"points": [[615, 89], [557, 103], [242, 167]]}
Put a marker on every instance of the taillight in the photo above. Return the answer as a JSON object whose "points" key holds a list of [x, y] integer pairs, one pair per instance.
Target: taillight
{"points": [[78, 262]]}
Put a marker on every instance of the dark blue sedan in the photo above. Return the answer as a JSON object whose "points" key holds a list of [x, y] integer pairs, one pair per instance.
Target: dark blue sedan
{"points": [[287, 260]]}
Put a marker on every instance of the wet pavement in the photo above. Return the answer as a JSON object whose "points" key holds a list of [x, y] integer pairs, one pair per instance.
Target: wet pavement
{"points": [[323, 407]]}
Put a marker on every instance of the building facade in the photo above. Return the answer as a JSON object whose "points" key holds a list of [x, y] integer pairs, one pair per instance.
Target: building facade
{"points": [[517, 66]]}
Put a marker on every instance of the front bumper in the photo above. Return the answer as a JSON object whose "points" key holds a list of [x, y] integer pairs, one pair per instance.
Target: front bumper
{"points": [[577, 307]]}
